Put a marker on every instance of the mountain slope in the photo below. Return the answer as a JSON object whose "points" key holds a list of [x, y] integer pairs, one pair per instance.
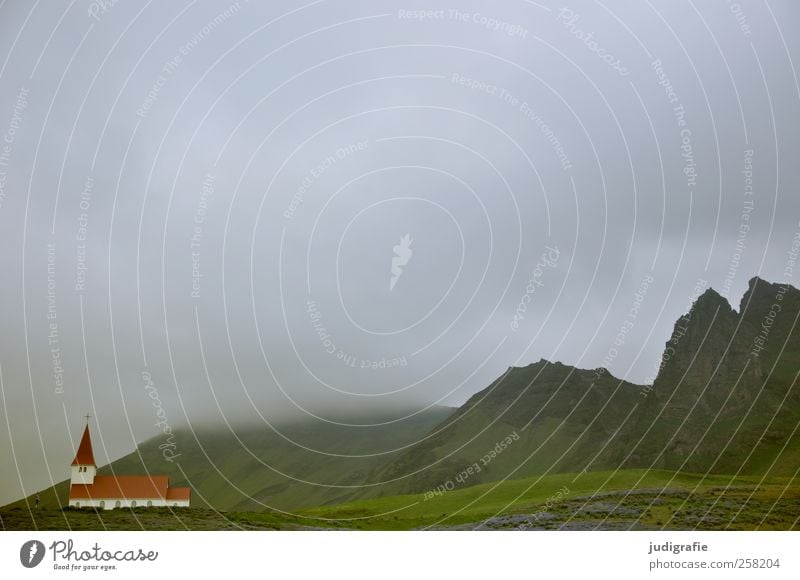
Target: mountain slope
{"points": [[546, 417], [307, 464], [725, 401]]}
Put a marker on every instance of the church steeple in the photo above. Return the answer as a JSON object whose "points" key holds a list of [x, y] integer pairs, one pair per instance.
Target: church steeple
{"points": [[83, 466], [85, 455]]}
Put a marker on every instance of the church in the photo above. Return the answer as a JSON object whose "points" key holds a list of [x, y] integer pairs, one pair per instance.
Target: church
{"points": [[87, 489]]}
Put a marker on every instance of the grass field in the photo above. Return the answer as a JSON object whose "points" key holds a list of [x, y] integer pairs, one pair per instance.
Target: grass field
{"points": [[632, 499], [653, 499]]}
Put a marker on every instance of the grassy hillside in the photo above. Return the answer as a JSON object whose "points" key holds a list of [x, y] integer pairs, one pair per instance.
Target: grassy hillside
{"points": [[726, 400], [633, 499], [544, 417], [625, 498], [255, 468]]}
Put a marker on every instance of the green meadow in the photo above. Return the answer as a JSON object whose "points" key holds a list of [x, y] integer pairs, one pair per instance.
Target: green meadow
{"points": [[630, 499]]}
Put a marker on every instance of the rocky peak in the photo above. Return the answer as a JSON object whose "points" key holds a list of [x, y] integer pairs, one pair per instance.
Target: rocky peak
{"points": [[709, 301], [761, 293]]}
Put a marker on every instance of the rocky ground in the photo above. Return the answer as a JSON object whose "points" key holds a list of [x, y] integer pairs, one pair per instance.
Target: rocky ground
{"points": [[739, 508]]}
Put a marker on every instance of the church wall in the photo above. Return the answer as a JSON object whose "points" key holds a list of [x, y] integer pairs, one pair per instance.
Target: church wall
{"points": [[83, 474], [127, 503]]}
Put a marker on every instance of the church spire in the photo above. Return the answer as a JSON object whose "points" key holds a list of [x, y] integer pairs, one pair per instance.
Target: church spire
{"points": [[85, 455]]}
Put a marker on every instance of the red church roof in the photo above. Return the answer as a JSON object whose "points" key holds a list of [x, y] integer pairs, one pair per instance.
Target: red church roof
{"points": [[130, 487], [84, 456], [122, 487], [179, 493]]}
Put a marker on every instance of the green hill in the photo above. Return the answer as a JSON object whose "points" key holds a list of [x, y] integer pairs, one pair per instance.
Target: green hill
{"points": [[253, 468], [723, 402], [543, 418], [630, 499], [625, 499]]}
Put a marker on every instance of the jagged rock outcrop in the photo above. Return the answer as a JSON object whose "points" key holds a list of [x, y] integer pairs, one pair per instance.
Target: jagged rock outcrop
{"points": [[723, 397], [724, 401]]}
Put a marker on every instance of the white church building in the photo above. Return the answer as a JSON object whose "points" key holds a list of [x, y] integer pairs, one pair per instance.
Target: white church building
{"points": [[87, 489]]}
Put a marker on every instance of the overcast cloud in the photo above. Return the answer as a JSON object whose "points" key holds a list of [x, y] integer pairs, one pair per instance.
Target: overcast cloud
{"points": [[202, 200]]}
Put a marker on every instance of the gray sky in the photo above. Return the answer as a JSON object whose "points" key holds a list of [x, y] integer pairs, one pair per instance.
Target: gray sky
{"points": [[201, 202]]}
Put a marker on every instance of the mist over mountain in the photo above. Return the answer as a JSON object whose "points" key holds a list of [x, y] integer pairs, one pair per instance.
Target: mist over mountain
{"points": [[725, 401], [265, 214]]}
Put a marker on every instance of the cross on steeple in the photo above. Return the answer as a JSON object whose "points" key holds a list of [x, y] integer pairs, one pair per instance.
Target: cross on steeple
{"points": [[84, 456]]}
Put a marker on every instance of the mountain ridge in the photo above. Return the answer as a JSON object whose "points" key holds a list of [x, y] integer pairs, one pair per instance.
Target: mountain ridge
{"points": [[723, 401], [706, 410]]}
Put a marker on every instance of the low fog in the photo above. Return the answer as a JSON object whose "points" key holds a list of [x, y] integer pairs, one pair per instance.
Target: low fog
{"points": [[216, 213]]}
